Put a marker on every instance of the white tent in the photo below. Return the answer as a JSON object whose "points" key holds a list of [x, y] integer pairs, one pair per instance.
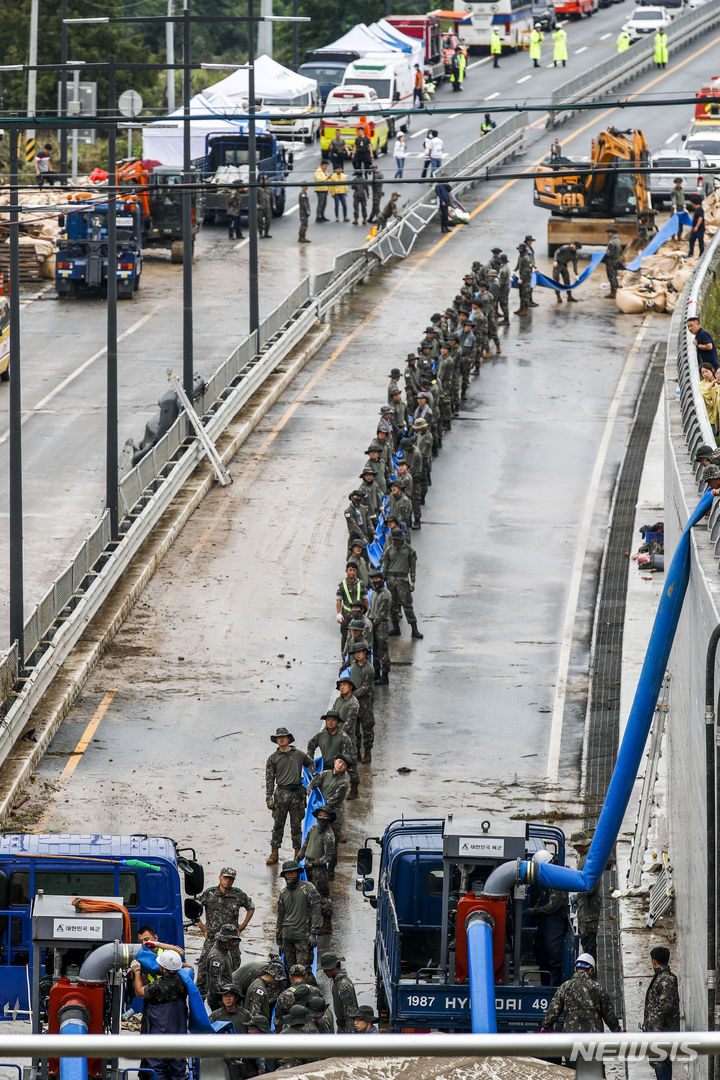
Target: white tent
{"points": [[360, 39], [395, 38], [272, 80], [163, 140]]}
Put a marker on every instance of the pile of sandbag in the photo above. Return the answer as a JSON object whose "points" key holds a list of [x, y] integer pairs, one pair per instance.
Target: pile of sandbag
{"points": [[658, 283], [38, 231]]}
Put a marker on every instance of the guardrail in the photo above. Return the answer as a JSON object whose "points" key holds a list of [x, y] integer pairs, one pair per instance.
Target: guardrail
{"points": [[627, 65]]}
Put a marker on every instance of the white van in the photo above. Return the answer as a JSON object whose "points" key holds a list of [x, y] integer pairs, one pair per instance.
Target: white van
{"points": [[303, 124], [391, 76]]}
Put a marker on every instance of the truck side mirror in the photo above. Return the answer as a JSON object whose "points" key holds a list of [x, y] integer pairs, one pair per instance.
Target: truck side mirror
{"points": [[193, 871], [290, 159], [368, 884], [364, 861], [61, 221], [193, 910], [396, 95]]}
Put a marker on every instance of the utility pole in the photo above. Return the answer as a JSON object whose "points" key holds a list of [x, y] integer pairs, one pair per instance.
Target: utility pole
{"points": [[296, 37], [17, 620], [111, 469], [170, 55], [64, 93], [265, 30], [252, 177], [32, 62], [188, 373]]}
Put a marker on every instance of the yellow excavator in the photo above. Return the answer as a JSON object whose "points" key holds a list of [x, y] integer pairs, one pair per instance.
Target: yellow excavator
{"points": [[591, 197]]}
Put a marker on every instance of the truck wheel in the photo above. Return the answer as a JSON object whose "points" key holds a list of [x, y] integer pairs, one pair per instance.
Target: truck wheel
{"points": [[309, 139], [5, 376], [279, 205], [552, 248], [176, 251], [382, 1004], [209, 217], [125, 292]]}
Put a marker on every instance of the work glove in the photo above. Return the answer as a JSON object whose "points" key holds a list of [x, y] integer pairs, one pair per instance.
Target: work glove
{"points": [[135, 966], [339, 619], [270, 803], [412, 586]]}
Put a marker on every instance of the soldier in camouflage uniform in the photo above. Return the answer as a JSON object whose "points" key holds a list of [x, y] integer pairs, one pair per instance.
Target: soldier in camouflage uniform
{"points": [[399, 564], [662, 1004], [412, 382], [504, 295], [265, 208], [380, 618], [350, 590], [487, 302], [284, 791], [398, 504], [360, 631], [396, 383], [468, 345], [319, 851], [298, 1023], [524, 269], [360, 199], [332, 784], [613, 255], [303, 215], [231, 1011], [358, 553], [299, 917], [222, 903], [343, 992], [362, 673], [220, 963], [589, 904], [298, 992], [364, 1020], [263, 991], [347, 706], [376, 189], [322, 1014], [332, 739], [584, 1003]]}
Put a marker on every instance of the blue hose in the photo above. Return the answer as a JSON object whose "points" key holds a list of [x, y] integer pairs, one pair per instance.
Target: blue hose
{"points": [[75, 1024], [636, 731], [481, 973]]}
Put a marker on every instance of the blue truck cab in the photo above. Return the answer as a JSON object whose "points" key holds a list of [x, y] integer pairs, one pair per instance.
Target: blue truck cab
{"points": [[81, 261], [226, 162], [327, 67], [143, 870], [431, 876]]}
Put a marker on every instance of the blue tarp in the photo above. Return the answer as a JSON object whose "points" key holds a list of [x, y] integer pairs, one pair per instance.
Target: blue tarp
{"points": [[638, 725]]}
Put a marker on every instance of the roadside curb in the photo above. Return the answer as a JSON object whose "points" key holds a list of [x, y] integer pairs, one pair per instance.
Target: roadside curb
{"points": [[18, 766]]}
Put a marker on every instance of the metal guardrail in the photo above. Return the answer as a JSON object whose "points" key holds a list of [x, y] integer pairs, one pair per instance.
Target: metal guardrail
{"points": [[647, 792], [625, 66]]}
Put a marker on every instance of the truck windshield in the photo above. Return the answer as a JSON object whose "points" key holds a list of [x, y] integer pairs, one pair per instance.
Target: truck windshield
{"points": [[299, 102], [380, 86], [705, 146], [72, 883], [326, 76]]}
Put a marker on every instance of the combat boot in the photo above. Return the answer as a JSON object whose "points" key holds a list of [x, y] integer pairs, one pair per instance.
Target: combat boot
{"points": [[353, 793], [498, 349], [385, 679], [486, 354], [415, 632], [558, 296], [366, 758], [571, 299], [522, 311], [272, 857], [611, 294], [395, 632]]}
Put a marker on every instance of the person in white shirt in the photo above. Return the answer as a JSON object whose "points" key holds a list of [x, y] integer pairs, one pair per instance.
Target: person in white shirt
{"points": [[427, 143], [437, 148], [399, 153]]}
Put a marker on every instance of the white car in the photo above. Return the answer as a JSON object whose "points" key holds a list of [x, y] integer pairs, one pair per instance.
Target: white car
{"points": [[647, 20], [705, 142], [662, 183]]}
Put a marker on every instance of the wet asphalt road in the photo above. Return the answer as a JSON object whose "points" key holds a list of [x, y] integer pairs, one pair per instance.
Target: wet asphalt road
{"points": [[63, 342], [236, 633]]}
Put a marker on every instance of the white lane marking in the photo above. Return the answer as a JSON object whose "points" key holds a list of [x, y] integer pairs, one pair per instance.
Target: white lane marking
{"points": [[453, 116], [603, 36], [476, 63], [671, 138], [292, 209], [79, 370], [561, 684], [524, 78], [241, 244], [552, 64], [582, 48], [31, 299], [417, 134], [491, 96]]}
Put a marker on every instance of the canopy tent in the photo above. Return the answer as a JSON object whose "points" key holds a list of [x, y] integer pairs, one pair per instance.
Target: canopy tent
{"points": [[362, 40], [272, 80], [163, 140], [396, 39]]}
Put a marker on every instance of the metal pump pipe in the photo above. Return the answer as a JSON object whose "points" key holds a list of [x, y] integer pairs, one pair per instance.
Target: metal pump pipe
{"points": [[107, 957]]}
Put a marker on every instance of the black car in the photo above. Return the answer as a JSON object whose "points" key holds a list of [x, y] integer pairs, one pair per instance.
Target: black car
{"points": [[543, 12]]}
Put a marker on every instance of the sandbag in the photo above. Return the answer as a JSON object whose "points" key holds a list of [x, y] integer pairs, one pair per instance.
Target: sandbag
{"points": [[671, 299], [629, 302], [682, 275], [47, 267]]}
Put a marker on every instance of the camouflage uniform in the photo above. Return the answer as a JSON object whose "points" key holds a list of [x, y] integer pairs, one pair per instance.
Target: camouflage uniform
{"points": [[466, 342], [379, 617], [319, 851], [220, 908], [487, 303], [348, 710], [287, 797], [331, 745], [662, 1002], [399, 506], [239, 1019], [613, 252], [504, 294], [334, 789], [265, 207], [376, 188], [524, 269], [296, 994], [347, 592], [585, 1005], [364, 678], [480, 333], [344, 1002], [589, 908], [220, 969], [303, 214], [355, 636], [261, 997], [399, 565], [296, 940], [360, 198]]}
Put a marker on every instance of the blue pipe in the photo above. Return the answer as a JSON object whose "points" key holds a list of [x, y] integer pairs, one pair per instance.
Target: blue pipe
{"points": [[636, 731], [73, 1021], [479, 927]]}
